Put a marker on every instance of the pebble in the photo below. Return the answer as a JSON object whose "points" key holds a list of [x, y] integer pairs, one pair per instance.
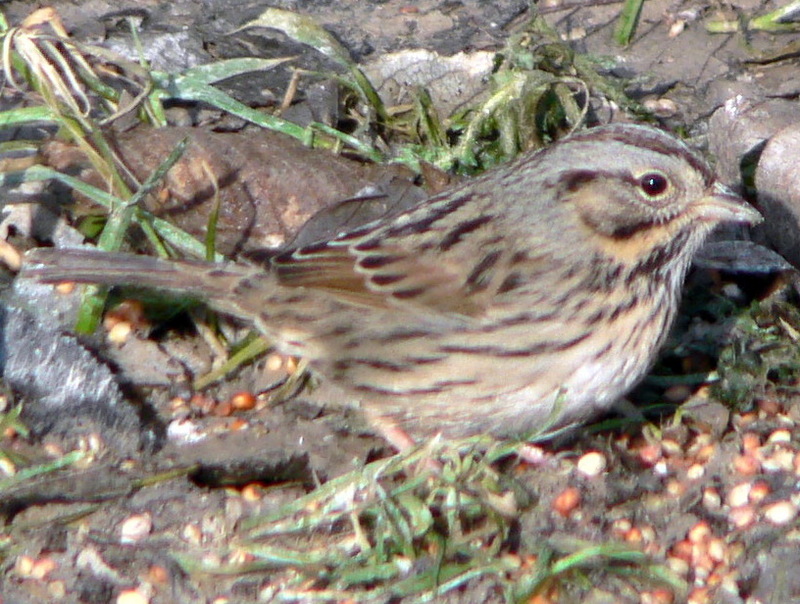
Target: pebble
{"points": [[717, 550], [750, 441], [695, 471], [759, 492], [780, 436], [120, 332], [192, 534], [7, 467], [243, 401], [671, 447], [679, 566], [42, 568], [57, 590], [699, 533], [747, 465], [781, 460], [780, 513], [567, 501], [65, 287], [135, 528], [650, 454], [711, 499], [739, 495], [742, 517], [592, 464], [662, 107], [132, 596]]}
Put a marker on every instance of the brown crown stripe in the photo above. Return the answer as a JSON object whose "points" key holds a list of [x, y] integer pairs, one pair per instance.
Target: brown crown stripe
{"points": [[648, 139]]}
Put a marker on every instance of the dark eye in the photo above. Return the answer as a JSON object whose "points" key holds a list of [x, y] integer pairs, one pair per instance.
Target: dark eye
{"points": [[653, 184]]}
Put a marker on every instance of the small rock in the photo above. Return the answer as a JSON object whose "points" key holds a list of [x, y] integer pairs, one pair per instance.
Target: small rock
{"points": [[740, 126], [135, 528], [778, 184], [592, 464], [781, 512]]}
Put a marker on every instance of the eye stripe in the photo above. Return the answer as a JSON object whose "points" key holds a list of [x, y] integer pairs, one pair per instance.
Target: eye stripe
{"points": [[573, 180]]}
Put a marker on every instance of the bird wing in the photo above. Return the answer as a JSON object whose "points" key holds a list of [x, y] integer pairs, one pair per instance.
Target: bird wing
{"points": [[381, 275]]}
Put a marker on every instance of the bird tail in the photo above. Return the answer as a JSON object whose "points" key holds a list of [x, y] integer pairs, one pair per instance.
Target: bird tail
{"points": [[202, 280]]}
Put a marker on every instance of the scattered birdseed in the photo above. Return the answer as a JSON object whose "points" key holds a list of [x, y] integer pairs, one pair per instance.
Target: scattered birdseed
{"points": [[780, 513], [132, 596], [567, 501], [592, 464], [739, 495], [243, 401], [135, 528]]}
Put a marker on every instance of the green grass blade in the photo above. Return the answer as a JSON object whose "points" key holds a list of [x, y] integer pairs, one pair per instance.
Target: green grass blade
{"points": [[628, 19], [26, 115], [209, 73], [94, 298], [28, 473]]}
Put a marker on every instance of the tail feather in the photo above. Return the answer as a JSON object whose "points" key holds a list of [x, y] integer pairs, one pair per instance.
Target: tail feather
{"points": [[192, 277]]}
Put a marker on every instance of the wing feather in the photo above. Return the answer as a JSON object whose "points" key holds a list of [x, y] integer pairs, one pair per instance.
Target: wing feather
{"points": [[383, 277]]}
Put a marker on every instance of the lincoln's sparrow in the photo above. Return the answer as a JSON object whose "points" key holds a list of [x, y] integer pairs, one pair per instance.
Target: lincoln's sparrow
{"points": [[548, 283]]}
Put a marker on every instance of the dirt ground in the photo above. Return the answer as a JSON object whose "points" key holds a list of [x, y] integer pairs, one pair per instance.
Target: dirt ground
{"points": [[711, 493]]}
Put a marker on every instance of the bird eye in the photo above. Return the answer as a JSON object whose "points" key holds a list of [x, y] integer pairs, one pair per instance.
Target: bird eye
{"points": [[653, 184]]}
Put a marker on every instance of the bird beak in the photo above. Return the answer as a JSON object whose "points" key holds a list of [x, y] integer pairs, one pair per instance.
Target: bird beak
{"points": [[720, 204]]}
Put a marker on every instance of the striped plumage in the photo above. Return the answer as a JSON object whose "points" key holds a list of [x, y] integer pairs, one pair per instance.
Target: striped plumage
{"points": [[556, 276]]}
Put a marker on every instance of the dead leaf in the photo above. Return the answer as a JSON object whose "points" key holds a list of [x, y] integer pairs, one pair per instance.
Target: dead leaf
{"points": [[268, 184]]}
